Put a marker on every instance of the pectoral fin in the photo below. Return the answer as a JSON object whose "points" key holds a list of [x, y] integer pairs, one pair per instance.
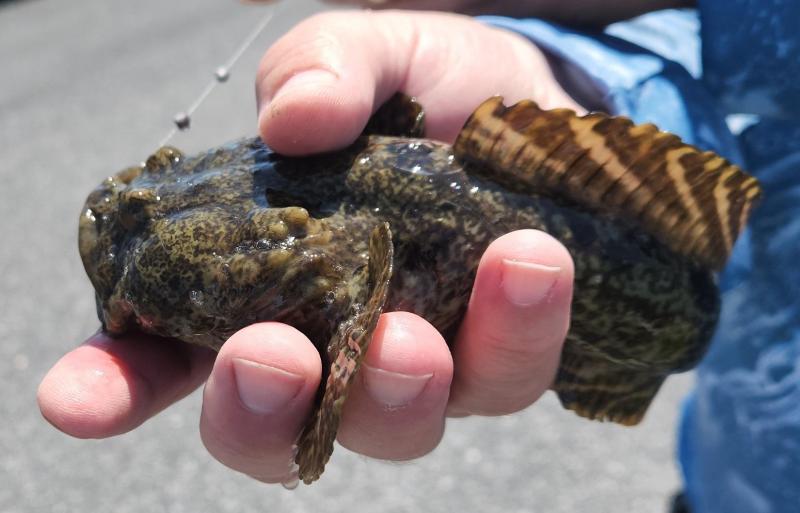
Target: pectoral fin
{"points": [[346, 351], [695, 202]]}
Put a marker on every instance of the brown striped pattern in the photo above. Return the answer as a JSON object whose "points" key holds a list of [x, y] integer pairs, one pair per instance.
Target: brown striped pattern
{"points": [[693, 201]]}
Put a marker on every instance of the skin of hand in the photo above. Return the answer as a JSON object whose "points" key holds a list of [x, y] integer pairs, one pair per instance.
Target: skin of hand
{"points": [[316, 88]]}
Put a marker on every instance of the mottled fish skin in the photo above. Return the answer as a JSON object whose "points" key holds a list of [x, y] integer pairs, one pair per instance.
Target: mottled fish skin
{"points": [[196, 248]]}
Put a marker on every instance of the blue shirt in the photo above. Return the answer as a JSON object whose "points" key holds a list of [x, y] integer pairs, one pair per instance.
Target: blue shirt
{"points": [[737, 93]]}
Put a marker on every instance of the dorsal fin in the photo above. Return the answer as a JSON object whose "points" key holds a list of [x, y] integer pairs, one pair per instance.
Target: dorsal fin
{"points": [[693, 201]]}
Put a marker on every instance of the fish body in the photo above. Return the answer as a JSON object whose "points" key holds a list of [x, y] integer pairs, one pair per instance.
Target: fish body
{"points": [[199, 247]]}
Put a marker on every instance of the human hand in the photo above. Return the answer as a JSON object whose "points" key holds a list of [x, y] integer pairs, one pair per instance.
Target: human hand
{"points": [[318, 85], [263, 382]]}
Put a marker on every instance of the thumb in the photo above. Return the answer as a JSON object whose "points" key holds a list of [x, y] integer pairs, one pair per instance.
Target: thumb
{"points": [[318, 85]]}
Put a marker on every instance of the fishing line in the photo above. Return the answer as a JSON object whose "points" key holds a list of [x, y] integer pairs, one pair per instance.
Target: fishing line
{"points": [[183, 120]]}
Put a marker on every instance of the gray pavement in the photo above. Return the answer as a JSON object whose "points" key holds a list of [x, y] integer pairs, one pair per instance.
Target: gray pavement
{"points": [[90, 86]]}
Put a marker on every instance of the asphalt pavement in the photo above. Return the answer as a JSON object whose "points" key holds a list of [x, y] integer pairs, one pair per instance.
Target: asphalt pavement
{"points": [[88, 87]]}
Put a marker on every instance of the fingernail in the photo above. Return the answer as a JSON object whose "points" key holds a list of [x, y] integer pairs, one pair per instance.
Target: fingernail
{"points": [[528, 283], [393, 389], [311, 79], [263, 388]]}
